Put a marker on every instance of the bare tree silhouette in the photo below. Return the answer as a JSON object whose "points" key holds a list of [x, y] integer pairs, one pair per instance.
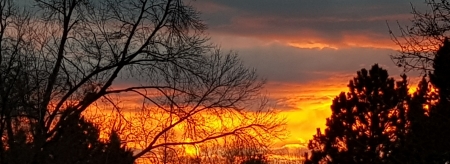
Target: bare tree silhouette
{"points": [[419, 42], [73, 54]]}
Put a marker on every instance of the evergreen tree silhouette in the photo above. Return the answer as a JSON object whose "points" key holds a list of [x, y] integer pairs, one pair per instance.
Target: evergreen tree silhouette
{"points": [[78, 141], [19, 153], [367, 123], [429, 115], [115, 153], [438, 124], [440, 77], [416, 145]]}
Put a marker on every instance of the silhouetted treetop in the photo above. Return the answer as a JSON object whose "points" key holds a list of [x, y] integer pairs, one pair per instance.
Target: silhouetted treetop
{"points": [[366, 122], [377, 121], [63, 57], [440, 76]]}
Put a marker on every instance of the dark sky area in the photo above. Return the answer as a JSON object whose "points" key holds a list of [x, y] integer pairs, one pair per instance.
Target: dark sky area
{"points": [[290, 40]]}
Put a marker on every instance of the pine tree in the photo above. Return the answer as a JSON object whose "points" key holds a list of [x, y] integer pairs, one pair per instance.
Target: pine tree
{"points": [[439, 108], [415, 145], [440, 77], [78, 141], [367, 123], [428, 115]]}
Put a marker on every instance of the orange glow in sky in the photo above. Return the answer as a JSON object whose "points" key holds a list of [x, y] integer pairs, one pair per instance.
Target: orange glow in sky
{"points": [[305, 106], [312, 45], [302, 40]]}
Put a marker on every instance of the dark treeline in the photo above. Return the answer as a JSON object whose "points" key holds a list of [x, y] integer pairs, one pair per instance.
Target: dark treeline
{"points": [[378, 120], [68, 69], [78, 142]]}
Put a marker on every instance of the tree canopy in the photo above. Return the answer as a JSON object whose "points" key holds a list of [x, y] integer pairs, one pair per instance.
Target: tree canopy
{"points": [[365, 121], [67, 59], [378, 121]]}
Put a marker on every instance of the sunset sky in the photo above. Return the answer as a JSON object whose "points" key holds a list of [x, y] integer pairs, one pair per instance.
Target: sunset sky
{"points": [[307, 50]]}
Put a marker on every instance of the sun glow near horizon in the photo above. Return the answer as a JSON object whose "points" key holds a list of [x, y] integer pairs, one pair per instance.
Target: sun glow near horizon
{"points": [[305, 108]]}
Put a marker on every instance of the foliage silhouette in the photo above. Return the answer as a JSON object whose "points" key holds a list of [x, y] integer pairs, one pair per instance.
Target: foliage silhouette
{"points": [[425, 47], [411, 129], [429, 115], [77, 141], [436, 147], [440, 77], [82, 53], [367, 122]]}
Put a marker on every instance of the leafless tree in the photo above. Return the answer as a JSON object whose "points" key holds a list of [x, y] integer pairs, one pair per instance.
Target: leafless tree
{"points": [[19, 84], [74, 54], [237, 150], [198, 110], [419, 42]]}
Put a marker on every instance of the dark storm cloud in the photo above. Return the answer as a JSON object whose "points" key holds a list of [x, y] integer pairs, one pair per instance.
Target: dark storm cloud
{"points": [[356, 29], [327, 21], [319, 8], [288, 18]]}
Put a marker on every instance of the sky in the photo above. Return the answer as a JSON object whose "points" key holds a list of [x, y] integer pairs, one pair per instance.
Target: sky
{"points": [[307, 50]]}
